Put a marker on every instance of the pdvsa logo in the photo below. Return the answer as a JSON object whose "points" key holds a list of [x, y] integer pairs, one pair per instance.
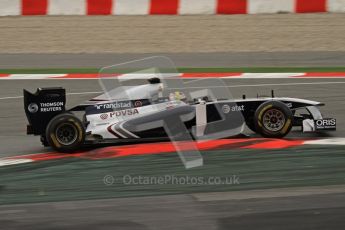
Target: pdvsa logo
{"points": [[123, 113], [104, 116], [33, 108]]}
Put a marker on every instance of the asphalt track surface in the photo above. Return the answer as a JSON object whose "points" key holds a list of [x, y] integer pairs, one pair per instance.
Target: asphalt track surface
{"points": [[211, 59], [315, 212], [303, 211]]}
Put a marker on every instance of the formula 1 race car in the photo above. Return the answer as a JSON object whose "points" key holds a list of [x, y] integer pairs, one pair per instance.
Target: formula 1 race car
{"points": [[143, 118]]}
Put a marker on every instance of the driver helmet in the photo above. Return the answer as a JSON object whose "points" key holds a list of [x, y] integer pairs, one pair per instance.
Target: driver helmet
{"points": [[177, 96]]}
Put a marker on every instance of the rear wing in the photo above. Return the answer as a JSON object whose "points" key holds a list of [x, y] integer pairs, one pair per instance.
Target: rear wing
{"points": [[40, 107]]}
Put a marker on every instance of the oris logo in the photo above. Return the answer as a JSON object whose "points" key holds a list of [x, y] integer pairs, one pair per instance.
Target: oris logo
{"points": [[104, 116], [33, 108], [326, 122]]}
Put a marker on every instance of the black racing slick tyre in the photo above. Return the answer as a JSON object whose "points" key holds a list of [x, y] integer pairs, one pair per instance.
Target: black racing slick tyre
{"points": [[65, 133], [273, 119]]}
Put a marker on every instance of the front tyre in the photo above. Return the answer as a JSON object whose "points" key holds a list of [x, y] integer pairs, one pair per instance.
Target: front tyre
{"points": [[273, 119], [65, 133]]}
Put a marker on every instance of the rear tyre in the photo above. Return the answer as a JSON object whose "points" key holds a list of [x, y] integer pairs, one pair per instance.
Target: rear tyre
{"points": [[65, 133], [273, 119]]}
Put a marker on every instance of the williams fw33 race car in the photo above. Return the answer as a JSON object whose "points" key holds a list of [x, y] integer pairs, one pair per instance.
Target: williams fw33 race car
{"points": [[148, 113]]}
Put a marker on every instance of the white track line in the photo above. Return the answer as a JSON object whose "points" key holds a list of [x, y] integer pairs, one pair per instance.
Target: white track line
{"points": [[32, 76], [81, 93], [262, 85], [6, 98], [7, 162], [231, 86], [146, 76], [330, 141], [289, 84], [269, 75]]}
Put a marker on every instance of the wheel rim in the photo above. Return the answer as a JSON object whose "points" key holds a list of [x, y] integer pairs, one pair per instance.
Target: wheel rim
{"points": [[274, 120], [66, 134]]}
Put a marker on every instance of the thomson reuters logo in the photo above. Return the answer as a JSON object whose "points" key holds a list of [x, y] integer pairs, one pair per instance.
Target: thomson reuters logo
{"points": [[33, 108], [104, 116]]}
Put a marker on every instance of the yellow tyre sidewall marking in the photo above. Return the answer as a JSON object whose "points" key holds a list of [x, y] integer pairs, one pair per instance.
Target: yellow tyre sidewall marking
{"points": [[79, 129], [55, 141], [261, 113], [285, 128]]}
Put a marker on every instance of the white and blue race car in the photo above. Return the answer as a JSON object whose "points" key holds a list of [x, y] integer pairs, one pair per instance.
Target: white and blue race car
{"points": [[149, 115]]}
